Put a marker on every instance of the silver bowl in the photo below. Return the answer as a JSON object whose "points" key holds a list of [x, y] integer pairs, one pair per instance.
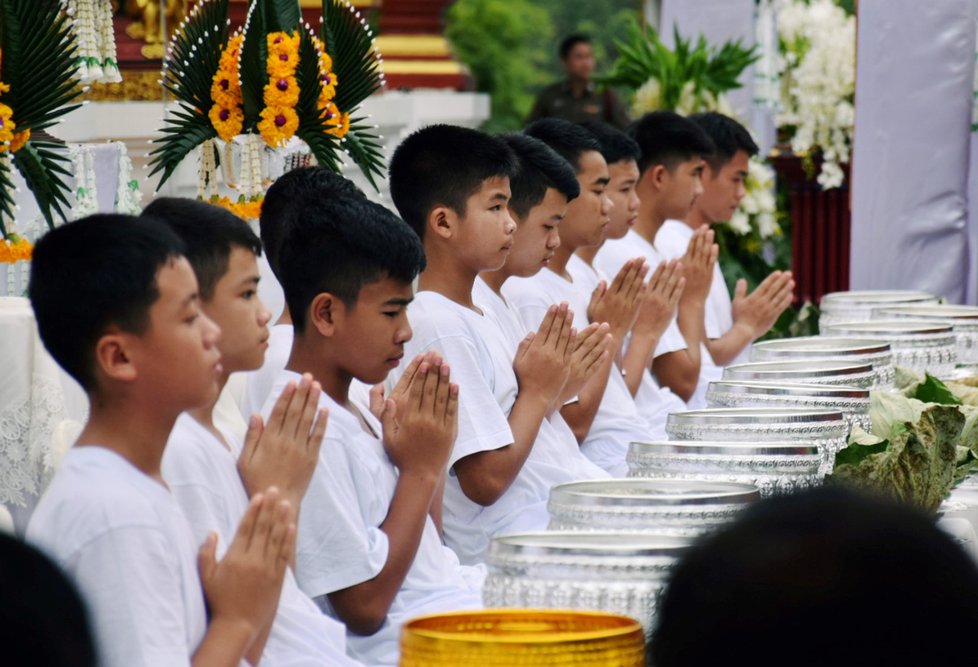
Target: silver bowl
{"points": [[825, 429], [772, 467], [921, 345], [877, 353], [661, 506], [619, 573], [964, 319], [853, 402], [856, 305], [820, 371]]}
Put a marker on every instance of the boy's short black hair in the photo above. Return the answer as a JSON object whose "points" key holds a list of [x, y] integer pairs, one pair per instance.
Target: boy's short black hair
{"points": [[209, 233], [565, 137], [616, 146], [540, 168], [444, 165], [277, 213], [728, 137], [93, 273], [568, 43], [666, 138], [338, 246]]}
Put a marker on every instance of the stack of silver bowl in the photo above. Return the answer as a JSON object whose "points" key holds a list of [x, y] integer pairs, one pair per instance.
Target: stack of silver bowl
{"points": [[621, 573], [963, 318], [920, 345], [877, 353], [853, 402], [858, 305], [809, 371]]}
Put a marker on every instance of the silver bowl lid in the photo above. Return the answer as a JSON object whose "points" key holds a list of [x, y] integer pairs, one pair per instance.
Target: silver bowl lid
{"points": [[760, 416], [589, 544], [869, 297], [824, 346], [929, 312], [722, 448], [796, 368], [754, 387], [642, 492], [893, 327]]}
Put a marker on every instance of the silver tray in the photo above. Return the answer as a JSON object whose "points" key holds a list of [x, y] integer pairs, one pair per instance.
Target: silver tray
{"points": [[877, 353], [821, 371], [852, 401], [963, 318], [651, 493], [858, 305], [921, 345]]}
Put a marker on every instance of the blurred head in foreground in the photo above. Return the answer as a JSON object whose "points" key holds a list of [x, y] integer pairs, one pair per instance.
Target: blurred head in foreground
{"points": [[825, 577]]}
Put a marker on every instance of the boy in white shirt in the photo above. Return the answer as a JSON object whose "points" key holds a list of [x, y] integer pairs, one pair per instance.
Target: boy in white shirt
{"points": [[369, 552], [207, 472], [277, 217], [451, 185], [656, 317], [670, 164], [604, 418], [117, 307], [730, 326]]}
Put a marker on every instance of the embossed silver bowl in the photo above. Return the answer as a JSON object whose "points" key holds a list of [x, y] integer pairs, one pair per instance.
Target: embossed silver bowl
{"points": [[920, 345], [620, 573], [963, 318], [858, 305], [662, 506], [877, 353], [819, 371], [853, 402], [826, 429], [772, 467]]}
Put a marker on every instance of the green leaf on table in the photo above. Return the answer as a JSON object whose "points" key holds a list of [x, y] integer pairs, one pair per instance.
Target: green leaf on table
{"points": [[932, 390], [861, 445]]}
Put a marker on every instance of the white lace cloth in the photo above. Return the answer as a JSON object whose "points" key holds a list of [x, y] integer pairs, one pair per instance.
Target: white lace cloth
{"points": [[34, 429]]}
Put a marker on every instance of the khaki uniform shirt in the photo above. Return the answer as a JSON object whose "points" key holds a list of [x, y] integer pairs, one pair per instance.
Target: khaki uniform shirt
{"points": [[557, 101]]}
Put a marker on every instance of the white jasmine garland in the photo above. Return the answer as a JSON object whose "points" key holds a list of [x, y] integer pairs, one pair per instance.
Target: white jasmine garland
{"points": [[95, 40], [127, 194], [757, 213], [86, 195]]}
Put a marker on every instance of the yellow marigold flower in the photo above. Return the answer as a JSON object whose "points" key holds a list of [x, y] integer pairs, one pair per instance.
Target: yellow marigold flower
{"points": [[4, 88], [281, 92], [249, 210], [7, 126], [228, 121], [282, 43], [19, 140], [278, 124], [328, 81], [342, 128], [15, 248]]}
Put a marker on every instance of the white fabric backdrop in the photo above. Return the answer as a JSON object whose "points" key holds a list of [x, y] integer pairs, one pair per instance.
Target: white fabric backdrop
{"points": [[911, 155]]}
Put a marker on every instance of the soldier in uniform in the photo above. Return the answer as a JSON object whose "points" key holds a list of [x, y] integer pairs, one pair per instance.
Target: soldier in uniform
{"points": [[577, 98]]}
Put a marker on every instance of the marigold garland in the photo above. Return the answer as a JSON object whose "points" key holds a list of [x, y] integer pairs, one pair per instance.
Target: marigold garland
{"points": [[226, 115], [243, 208], [15, 248], [338, 123], [279, 121]]}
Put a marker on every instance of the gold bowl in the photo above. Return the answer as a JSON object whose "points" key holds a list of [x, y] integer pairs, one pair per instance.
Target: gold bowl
{"points": [[524, 637]]}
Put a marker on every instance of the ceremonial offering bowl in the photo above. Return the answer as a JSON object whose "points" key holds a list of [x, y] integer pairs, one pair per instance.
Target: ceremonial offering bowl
{"points": [[856, 306], [816, 371], [877, 353], [852, 402], [663, 506], [620, 573], [825, 429], [963, 318], [920, 345], [505, 637]]}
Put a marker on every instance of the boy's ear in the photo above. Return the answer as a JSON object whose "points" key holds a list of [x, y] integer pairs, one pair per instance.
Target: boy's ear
{"points": [[442, 221], [324, 311], [114, 358], [657, 175]]}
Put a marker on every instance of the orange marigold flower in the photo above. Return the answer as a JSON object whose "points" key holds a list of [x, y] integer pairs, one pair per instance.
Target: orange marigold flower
{"points": [[7, 126], [278, 124], [19, 140], [342, 128], [282, 92], [228, 121]]}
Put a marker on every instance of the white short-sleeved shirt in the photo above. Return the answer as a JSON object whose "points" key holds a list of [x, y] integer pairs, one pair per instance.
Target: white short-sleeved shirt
{"points": [[481, 357], [202, 474], [654, 403], [258, 384], [341, 544], [617, 421], [613, 255], [121, 537]]}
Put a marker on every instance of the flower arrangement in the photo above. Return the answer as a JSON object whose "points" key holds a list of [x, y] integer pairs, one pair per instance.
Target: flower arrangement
{"points": [[686, 79], [95, 37], [14, 248], [272, 83], [817, 66], [37, 68]]}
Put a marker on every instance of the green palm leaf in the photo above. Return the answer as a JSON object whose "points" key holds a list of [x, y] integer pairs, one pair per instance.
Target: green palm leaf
{"points": [[6, 196], [351, 47], [41, 168], [194, 57]]}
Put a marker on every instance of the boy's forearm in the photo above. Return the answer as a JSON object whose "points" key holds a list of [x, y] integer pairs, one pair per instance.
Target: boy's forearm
{"points": [[226, 642], [364, 606], [727, 347], [580, 414], [637, 360]]}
